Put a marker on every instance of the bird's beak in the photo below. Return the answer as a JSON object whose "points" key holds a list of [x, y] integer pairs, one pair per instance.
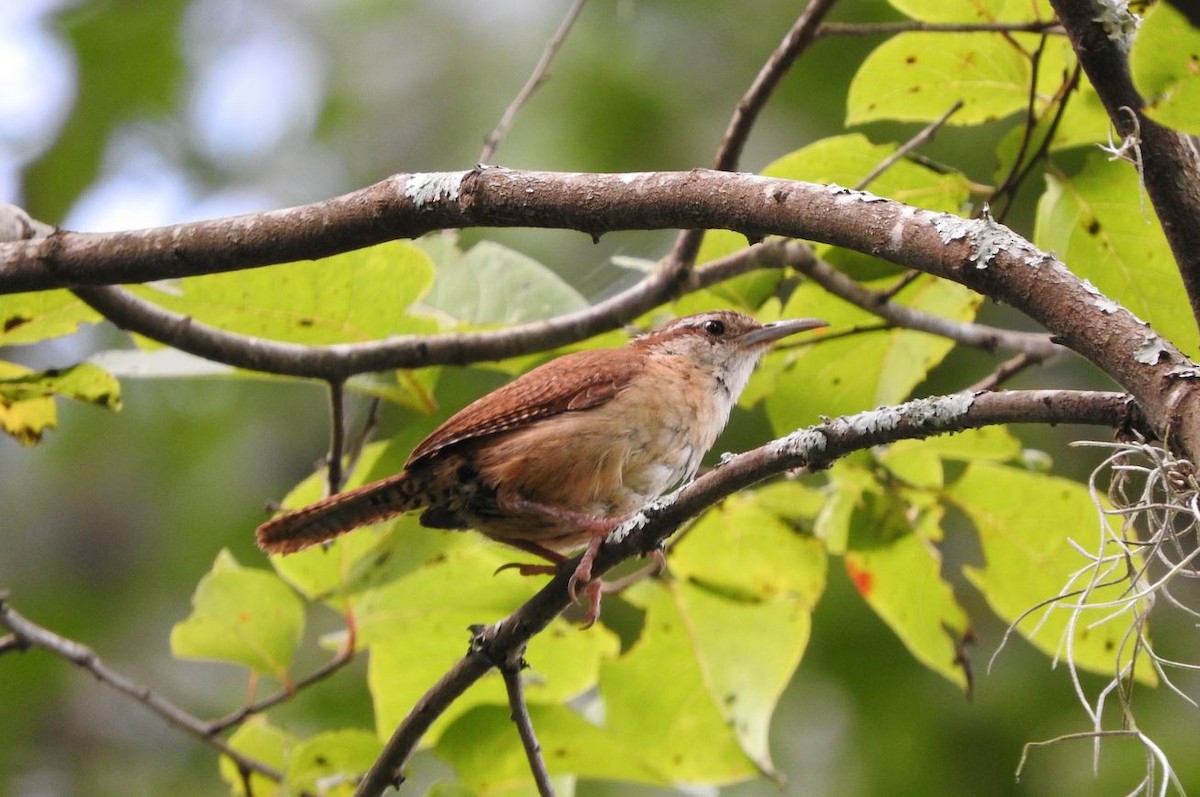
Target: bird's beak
{"points": [[769, 333]]}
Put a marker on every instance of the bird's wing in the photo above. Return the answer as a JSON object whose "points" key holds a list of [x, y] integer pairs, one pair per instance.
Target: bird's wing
{"points": [[569, 383]]}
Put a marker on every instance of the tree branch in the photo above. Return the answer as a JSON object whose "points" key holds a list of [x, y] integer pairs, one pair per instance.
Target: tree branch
{"points": [[29, 634], [510, 669], [981, 254], [806, 449], [1170, 161], [340, 660], [971, 334], [338, 362]]}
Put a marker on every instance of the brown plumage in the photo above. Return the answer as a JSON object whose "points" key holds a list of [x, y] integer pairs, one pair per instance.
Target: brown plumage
{"points": [[553, 460]]}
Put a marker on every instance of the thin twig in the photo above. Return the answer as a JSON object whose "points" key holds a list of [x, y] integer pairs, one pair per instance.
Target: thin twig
{"points": [[918, 26], [511, 671], [343, 657], [795, 42], [1005, 371], [370, 423], [32, 635], [729, 152], [815, 447], [1011, 185], [906, 279], [972, 334], [536, 79], [920, 138], [337, 435]]}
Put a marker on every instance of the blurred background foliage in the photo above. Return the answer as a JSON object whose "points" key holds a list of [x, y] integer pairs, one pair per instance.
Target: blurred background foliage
{"points": [[132, 113]]}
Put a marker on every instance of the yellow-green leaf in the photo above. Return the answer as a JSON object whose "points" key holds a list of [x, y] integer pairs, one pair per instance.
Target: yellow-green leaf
{"points": [[1094, 220], [847, 159], [416, 628], [888, 364], [916, 77], [492, 284], [262, 741], [1165, 63], [1029, 559], [658, 698], [357, 296], [331, 763], [27, 397], [976, 10], [241, 616], [33, 317], [993, 443], [744, 581], [899, 576], [485, 751]]}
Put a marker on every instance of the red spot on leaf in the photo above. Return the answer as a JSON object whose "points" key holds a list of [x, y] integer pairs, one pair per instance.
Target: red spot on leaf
{"points": [[243, 617], [863, 580]]}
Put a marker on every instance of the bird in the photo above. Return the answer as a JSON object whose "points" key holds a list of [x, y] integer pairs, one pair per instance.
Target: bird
{"points": [[553, 461]]}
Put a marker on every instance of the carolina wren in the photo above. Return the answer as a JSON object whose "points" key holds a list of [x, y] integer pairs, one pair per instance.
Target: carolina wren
{"points": [[554, 460]]}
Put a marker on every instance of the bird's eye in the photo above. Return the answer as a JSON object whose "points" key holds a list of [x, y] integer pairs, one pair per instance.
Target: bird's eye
{"points": [[714, 327]]}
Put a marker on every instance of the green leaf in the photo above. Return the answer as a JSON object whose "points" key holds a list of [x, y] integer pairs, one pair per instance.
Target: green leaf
{"points": [[748, 554], [492, 284], [241, 616], [416, 628], [975, 11], [1029, 559], [1165, 62], [912, 464], [27, 397], [1095, 222], [485, 751], [916, 77], [657, 700], [847, 159], [744, 581], [356, 296], [848, 482], [897, 569], [331, 763], [993, 443], [888, 364], [366, 557], [34, 317], [746, 292], [790, 500], [260, 740]]}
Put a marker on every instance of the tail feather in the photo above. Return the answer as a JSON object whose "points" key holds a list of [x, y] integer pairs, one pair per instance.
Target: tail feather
{"points": [[340, 513]]}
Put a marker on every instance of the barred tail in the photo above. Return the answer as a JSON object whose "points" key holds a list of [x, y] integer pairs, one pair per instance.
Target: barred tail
{"points": [[340, 513]]}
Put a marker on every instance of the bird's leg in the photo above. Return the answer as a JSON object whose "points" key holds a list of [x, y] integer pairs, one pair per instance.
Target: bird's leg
{"points": [[527, 569], [597, 529]]}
